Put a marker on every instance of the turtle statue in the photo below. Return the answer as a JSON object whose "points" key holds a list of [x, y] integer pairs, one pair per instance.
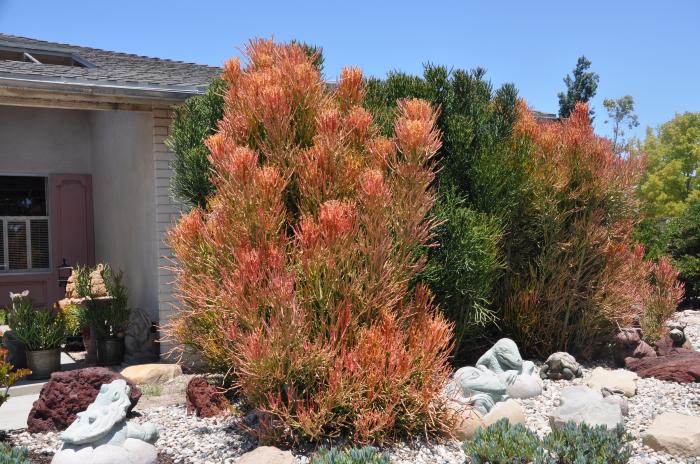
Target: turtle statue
{"points": [[560, 365], [102, 434]]}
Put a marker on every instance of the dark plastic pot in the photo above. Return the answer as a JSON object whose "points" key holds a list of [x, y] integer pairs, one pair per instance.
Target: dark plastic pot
{"points": [[43, 363], [16, 351], [110, 351]]}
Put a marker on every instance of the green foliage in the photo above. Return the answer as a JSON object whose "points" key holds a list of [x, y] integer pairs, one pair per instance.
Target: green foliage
{"points": [[366, 455], [38, 328], [579, 88], [13, 455], [672, 178], [82, 281], [74, 315], [193, 122], [109, 317], [577, 444], [621, 114], [684, 248], [480, 184], [503, 443], [3, 316]]}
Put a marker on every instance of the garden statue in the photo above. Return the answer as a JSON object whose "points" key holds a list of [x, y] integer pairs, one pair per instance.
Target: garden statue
{"points": [[519, 376], [102, 434], [560, 365], [482, 387]]}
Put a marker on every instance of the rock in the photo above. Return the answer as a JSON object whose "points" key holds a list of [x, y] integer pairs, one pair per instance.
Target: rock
{"points": [[509, 409], [68, 393], [616, 398], [644, 350], [151, 373], [467, 420], [267, 455], [582, 405], [666, 346], [525, 386], [625, 343], [560, 365], [614, 380], [203, 398], [675, 434], [683, 367]]}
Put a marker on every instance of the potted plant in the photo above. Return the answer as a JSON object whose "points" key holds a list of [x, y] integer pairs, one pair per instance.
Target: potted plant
{"points": [[16, 351], [42, 332], [108, 319]]}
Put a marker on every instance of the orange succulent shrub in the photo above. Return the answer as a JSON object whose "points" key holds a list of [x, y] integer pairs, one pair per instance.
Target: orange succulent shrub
{"points": [[297, 276], [582, 277]]}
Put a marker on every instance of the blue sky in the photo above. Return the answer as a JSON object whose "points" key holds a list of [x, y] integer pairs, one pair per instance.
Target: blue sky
{"points": [[650, 50]]}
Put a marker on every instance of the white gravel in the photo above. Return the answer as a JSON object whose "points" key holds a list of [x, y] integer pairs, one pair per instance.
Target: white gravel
{"points": [[189, 439]]}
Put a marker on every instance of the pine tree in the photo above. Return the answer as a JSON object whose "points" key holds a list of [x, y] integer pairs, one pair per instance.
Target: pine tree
{"points": [[579, 88]]}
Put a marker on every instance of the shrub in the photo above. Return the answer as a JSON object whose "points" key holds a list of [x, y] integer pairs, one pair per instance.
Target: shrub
{"points": [[503, 443], [38, 328], [8, 377], [109, 318], [75, 318], [582, 276], [366, 455], [684, 248], [574, 444], [193, 122], [296, 277], [13, 455], [480, 186], [661, 299]]}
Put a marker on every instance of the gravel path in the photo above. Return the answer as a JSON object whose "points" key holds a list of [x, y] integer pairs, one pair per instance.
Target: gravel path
{"points": [[194, 440]]}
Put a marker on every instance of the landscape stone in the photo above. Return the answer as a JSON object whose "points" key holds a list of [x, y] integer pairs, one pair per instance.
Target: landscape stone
{"points": [[204, 399], [467, 420], [625, 344], [102, 435], [581, 404], [267, 455], [560, 365], [68, 393], [674, 433], [683, 367], [509, 409], [614, 380], [152, 373]]}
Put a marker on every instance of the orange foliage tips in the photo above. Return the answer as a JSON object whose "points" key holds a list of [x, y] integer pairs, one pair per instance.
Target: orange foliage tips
{"points": [[351, 90], [415, 132]]}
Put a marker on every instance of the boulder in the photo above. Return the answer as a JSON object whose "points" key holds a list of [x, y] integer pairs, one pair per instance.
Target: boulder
{"points": [[204, 399], [666, 346], [68, 393], [625, 344], [560, 365], [509, 409], [683, 367], [152, 373], [267, 455], [675, 434], [525, 386], [583, 405], [614, 380], [467, 420]]}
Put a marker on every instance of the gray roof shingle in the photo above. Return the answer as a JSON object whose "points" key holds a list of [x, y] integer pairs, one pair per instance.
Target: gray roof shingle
{"points": [[110, 69]]}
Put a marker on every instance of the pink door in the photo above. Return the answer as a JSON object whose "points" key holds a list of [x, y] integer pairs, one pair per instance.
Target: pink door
{"points": [[71, 238]]}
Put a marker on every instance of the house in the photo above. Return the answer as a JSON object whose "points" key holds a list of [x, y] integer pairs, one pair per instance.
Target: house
{"points": [[84, 172]]}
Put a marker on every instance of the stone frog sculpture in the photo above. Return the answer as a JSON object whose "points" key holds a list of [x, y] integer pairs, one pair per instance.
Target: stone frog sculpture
{"points": [[482, 387], [504, 360], [102, 434]]}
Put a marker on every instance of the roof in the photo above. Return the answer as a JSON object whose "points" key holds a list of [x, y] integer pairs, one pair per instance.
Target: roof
{"points": [[102, 71], [540, 116]]}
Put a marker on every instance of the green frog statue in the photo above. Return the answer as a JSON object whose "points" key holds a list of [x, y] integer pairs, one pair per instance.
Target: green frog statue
{"points": [[499, 374]]}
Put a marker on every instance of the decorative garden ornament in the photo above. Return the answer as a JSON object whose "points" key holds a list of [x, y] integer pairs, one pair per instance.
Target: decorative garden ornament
{"points": [[519, 376]]}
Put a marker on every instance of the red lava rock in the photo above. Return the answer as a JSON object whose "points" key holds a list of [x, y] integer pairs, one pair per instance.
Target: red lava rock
{"points": [[625, 344], [68, 393], [682, 367], [203, 398]]}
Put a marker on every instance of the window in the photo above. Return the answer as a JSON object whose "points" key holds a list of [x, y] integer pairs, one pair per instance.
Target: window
{"points": [[24, 224], [38, 56]]}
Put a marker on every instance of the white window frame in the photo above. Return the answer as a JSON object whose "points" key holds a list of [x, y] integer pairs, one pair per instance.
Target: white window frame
{"points": [[5, 270]]}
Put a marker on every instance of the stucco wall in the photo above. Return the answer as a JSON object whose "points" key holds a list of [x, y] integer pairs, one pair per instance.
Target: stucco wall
{"points": [[124, 201], [44, 141]]}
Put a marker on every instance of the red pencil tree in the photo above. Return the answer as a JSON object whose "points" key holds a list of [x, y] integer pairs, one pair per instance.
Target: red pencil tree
{"points": [[297, 277]]}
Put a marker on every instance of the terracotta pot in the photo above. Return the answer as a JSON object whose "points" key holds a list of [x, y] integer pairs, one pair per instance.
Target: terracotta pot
{"points": [[110, 351], [43, 363]]}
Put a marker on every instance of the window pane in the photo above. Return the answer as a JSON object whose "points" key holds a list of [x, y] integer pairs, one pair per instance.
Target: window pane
{"points": [[39, 235], [22, 196], [2, 245], [17, 245]]}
